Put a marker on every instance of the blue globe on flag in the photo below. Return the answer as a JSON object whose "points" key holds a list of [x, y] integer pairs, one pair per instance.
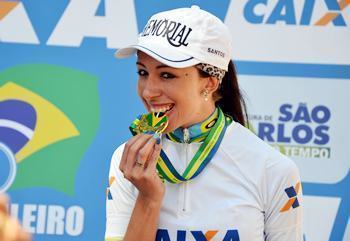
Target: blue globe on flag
{"points": [[17, 124]]}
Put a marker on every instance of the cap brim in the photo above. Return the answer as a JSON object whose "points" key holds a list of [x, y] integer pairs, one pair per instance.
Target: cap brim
{"points": [[163, 54]]}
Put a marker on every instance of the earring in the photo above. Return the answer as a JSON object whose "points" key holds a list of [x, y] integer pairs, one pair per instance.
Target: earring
{"points": [[205, 94]]}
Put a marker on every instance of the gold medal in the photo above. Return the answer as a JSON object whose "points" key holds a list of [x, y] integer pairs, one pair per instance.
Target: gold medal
{"points": [[155, 122]]}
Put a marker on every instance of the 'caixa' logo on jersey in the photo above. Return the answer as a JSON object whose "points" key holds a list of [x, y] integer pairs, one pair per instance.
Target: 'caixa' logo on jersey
{"points": [[291, 13], [299, 130], [198, 235]]}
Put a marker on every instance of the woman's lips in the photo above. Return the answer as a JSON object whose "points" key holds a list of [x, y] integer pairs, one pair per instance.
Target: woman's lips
{"points": [[161, 108]]}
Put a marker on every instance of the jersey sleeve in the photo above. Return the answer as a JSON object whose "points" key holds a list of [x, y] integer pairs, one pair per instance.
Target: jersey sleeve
{"points": [[283, 211], [120, 200]]}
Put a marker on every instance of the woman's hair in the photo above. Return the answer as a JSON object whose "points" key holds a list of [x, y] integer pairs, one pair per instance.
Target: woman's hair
{"points": [[229, 97]]}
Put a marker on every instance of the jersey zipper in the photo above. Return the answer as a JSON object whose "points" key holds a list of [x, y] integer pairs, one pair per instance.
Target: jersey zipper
{"points": [[186, 135]]}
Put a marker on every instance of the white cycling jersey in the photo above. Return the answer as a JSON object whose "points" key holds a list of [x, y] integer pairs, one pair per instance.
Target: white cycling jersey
{"points": [[247, 192]]}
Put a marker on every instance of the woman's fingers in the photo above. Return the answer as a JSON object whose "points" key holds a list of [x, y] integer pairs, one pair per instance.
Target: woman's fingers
{"points": [[140, 159], [146, 151], [133, 152], [140, 163], [142, 151], [126, 151], [153, 158]]}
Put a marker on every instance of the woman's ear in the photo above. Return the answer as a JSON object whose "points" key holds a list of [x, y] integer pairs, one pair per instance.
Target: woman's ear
{"points": [[212, 84]]}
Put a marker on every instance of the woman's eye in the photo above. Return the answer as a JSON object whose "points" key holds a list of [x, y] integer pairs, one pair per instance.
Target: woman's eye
{"points": [[142, 72], [167, 75]]}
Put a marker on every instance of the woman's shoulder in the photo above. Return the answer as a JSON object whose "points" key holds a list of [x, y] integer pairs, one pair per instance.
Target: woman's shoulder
{"points": [[240, 138], [242, 144], [119, 149], [257, 161], [117, 154]]}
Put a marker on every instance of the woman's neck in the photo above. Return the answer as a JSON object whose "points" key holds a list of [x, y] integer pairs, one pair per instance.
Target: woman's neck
{"points": [[205, 114], [196, 132]]}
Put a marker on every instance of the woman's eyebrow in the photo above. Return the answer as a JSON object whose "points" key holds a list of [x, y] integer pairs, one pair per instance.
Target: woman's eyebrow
{"points": [[162, 66], [139, 63], [158, 67]]}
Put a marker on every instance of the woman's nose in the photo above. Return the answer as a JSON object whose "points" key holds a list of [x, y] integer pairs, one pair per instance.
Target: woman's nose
{"points": [[151, 88]]}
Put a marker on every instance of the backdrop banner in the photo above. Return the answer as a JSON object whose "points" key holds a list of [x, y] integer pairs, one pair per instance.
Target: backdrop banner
{"points": [[66, 102]]}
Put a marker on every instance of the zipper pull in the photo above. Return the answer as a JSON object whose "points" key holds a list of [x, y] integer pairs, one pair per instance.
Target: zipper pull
{"points": [[186, 135]]}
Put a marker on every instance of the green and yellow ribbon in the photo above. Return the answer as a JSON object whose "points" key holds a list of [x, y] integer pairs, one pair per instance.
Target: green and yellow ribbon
{"points": [[202, 157]]}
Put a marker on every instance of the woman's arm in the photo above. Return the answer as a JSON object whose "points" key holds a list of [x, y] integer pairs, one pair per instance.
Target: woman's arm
{"points": [[284, 210], [144, 220]]}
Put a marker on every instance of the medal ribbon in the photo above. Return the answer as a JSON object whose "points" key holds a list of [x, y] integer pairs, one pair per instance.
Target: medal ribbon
{"points": [[202, 157], [197, 132]]}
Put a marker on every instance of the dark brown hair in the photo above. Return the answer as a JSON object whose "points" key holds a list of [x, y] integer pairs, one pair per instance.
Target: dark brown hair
{"points": [[229, 97]]}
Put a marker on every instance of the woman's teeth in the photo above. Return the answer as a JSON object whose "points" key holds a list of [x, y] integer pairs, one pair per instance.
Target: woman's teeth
{"points": [[161, 109]]}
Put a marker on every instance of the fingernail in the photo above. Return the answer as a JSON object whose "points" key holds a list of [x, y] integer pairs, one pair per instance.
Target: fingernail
{"points": [[157, 137], [149, 132]]}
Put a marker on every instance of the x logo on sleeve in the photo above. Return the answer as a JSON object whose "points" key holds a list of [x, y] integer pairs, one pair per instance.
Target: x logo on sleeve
{"points": [[292, 193]]}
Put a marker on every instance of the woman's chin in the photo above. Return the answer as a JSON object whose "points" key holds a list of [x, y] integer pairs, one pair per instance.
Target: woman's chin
{"points": [[170, 128]]}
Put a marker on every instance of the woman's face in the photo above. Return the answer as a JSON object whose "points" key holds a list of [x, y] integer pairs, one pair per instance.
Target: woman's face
{"points": [[176, 91]]}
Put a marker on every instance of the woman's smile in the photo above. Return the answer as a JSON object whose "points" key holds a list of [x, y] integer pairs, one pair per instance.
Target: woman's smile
{"points": [[164, 108], [172, 91]]}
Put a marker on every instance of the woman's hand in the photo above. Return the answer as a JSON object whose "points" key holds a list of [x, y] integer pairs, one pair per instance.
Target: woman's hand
{"points": [[138, 164], [10, 229]]}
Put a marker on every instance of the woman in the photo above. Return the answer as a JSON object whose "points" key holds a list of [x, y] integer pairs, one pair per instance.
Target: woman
{"points": [[218, 180]]}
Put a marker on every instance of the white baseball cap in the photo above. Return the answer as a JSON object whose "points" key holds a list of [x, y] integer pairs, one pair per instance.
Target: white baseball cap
{"points": [[184, 37]]}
